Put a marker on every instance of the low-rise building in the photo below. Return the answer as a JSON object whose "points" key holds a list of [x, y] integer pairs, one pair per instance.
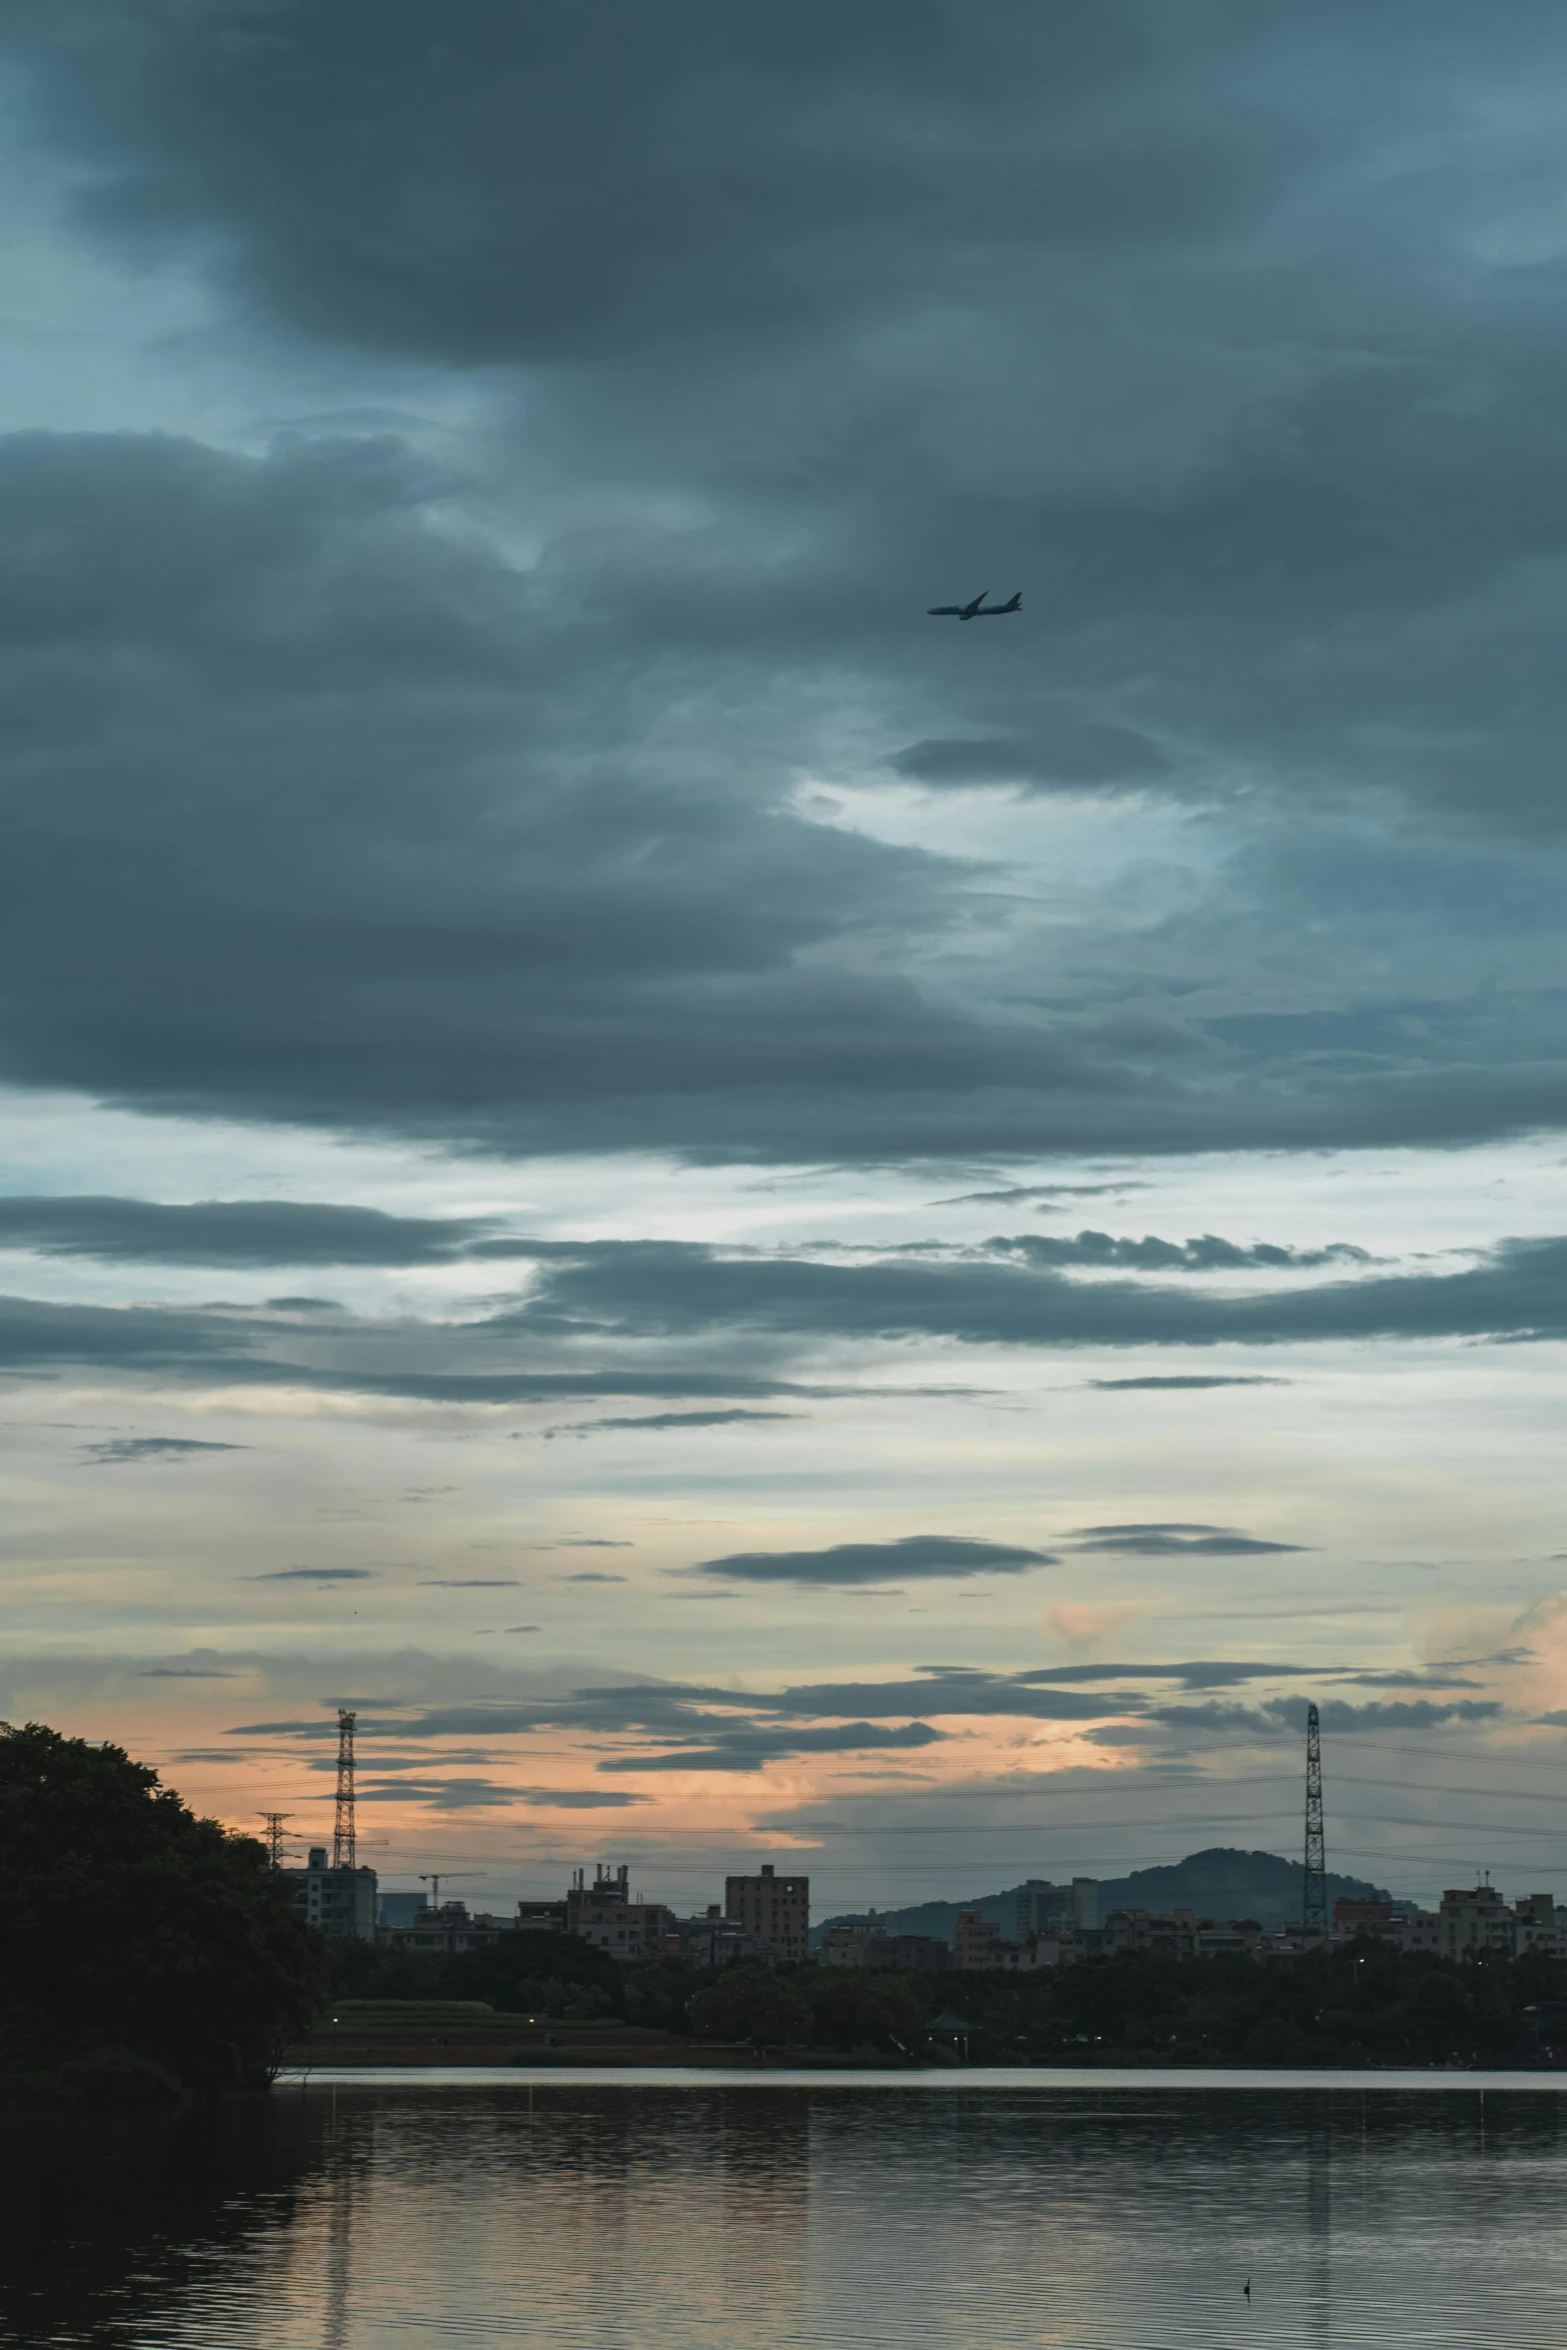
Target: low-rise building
{"points": [[540, 1917], [710, 1940], [1228, 1937], [1043, 1950], [449, 1927], [606, 1915], [913, 1954], [334, 1901], [1472, 1919], [1373, 1918], [1535, 1926], [1172, 1931], [976, 1942], [773, 1911], [870, 1947]]}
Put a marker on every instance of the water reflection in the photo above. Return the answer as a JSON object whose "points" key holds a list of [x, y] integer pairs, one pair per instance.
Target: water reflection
{"points": [[362, 2217]]}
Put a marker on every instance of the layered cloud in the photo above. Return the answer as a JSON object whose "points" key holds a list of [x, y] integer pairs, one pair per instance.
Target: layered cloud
{"points": [[875, 1562], [641, 1311], [465, 764], [1174, 1541], [468, 699]]}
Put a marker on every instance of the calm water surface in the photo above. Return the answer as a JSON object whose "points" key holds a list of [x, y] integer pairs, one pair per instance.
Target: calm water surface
{"points": [[382, 2215]]}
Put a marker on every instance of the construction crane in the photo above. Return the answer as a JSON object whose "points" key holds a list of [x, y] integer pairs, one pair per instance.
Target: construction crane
{"points": [[448, 1877]]}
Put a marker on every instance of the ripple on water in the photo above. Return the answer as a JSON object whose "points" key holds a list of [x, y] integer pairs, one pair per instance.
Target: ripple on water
{"points": [[772, 2216]]}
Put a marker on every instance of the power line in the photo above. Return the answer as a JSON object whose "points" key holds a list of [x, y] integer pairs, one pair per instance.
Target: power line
{"points": [[1417, 1754]]}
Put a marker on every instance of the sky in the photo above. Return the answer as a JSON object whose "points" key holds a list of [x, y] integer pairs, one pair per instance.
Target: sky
{"points": [[760, 1224]]}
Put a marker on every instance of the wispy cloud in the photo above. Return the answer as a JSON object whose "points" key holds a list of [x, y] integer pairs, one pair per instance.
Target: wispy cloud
{"points": [[315, 1575]]}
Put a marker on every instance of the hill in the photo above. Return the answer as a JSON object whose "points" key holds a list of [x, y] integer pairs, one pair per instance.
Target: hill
{"points": [[1218, 1883]]}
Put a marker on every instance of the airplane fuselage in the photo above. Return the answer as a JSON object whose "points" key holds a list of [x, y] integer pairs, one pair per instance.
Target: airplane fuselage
{"points": [[977, 610]]}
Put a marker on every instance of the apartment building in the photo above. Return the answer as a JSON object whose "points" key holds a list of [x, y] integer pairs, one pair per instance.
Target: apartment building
{"points": [[773, 1912]]}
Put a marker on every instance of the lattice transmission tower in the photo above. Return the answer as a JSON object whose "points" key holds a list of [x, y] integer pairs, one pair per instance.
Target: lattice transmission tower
{"points": [[344, 1855], [1315, 1919], [274, 1820]]}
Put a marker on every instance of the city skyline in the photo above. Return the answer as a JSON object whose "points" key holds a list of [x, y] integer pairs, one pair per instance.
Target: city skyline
{"points": [[760, 1230]]}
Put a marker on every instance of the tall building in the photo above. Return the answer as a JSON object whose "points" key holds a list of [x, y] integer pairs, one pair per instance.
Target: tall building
{"points": [[1475, 1918], [1043, 1908], [976, 1943], [334, 1901], [399, 1909], [773, 1911], [605, 1915]]}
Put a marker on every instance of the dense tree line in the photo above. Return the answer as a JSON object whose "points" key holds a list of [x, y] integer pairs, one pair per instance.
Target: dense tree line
{"points": [[144, 1946], [1360, 2003], [146, 1951]]}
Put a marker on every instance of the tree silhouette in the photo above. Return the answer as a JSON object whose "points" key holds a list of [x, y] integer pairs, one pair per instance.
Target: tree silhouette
{"points": [[132, 1927]]}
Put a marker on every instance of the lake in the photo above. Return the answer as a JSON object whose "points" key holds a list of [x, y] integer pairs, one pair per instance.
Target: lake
{"points": [[954, 2210]]}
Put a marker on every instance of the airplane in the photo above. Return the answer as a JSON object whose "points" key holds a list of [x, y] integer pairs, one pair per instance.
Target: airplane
{"points": [[978, 610]]}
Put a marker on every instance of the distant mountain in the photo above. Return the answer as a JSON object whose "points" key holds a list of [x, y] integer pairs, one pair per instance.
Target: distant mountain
{"points": [[1218, 1883]]}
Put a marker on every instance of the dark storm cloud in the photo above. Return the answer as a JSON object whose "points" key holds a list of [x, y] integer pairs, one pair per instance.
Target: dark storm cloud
{"points": [[1173, 1541], [442, 1794], [1230, 335], [1077, 756], [696, 1715], [1209, 1254], [1435, 1678], [1179, 1379], [185, 1673], [223, 1347], [1048, 1195], [727, 1419], [236, 1233], [975, 1693], [1285, 1717], [449, 857], [874, 1562], [941, 1690], [556, 184], [675, 1290], [153, 1448], [1209, 1674], [35, 1335], [753, 1750], [315, 1575], [578, 1799], [668, 1296], [675, 1726]]}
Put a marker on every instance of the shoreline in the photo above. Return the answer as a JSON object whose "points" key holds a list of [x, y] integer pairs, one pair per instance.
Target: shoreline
{"points": [[1040, 2079]]}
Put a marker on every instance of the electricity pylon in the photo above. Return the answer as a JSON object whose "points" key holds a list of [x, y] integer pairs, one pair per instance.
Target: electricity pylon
{"points": [[1315, 1918], [343, 1841]]}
